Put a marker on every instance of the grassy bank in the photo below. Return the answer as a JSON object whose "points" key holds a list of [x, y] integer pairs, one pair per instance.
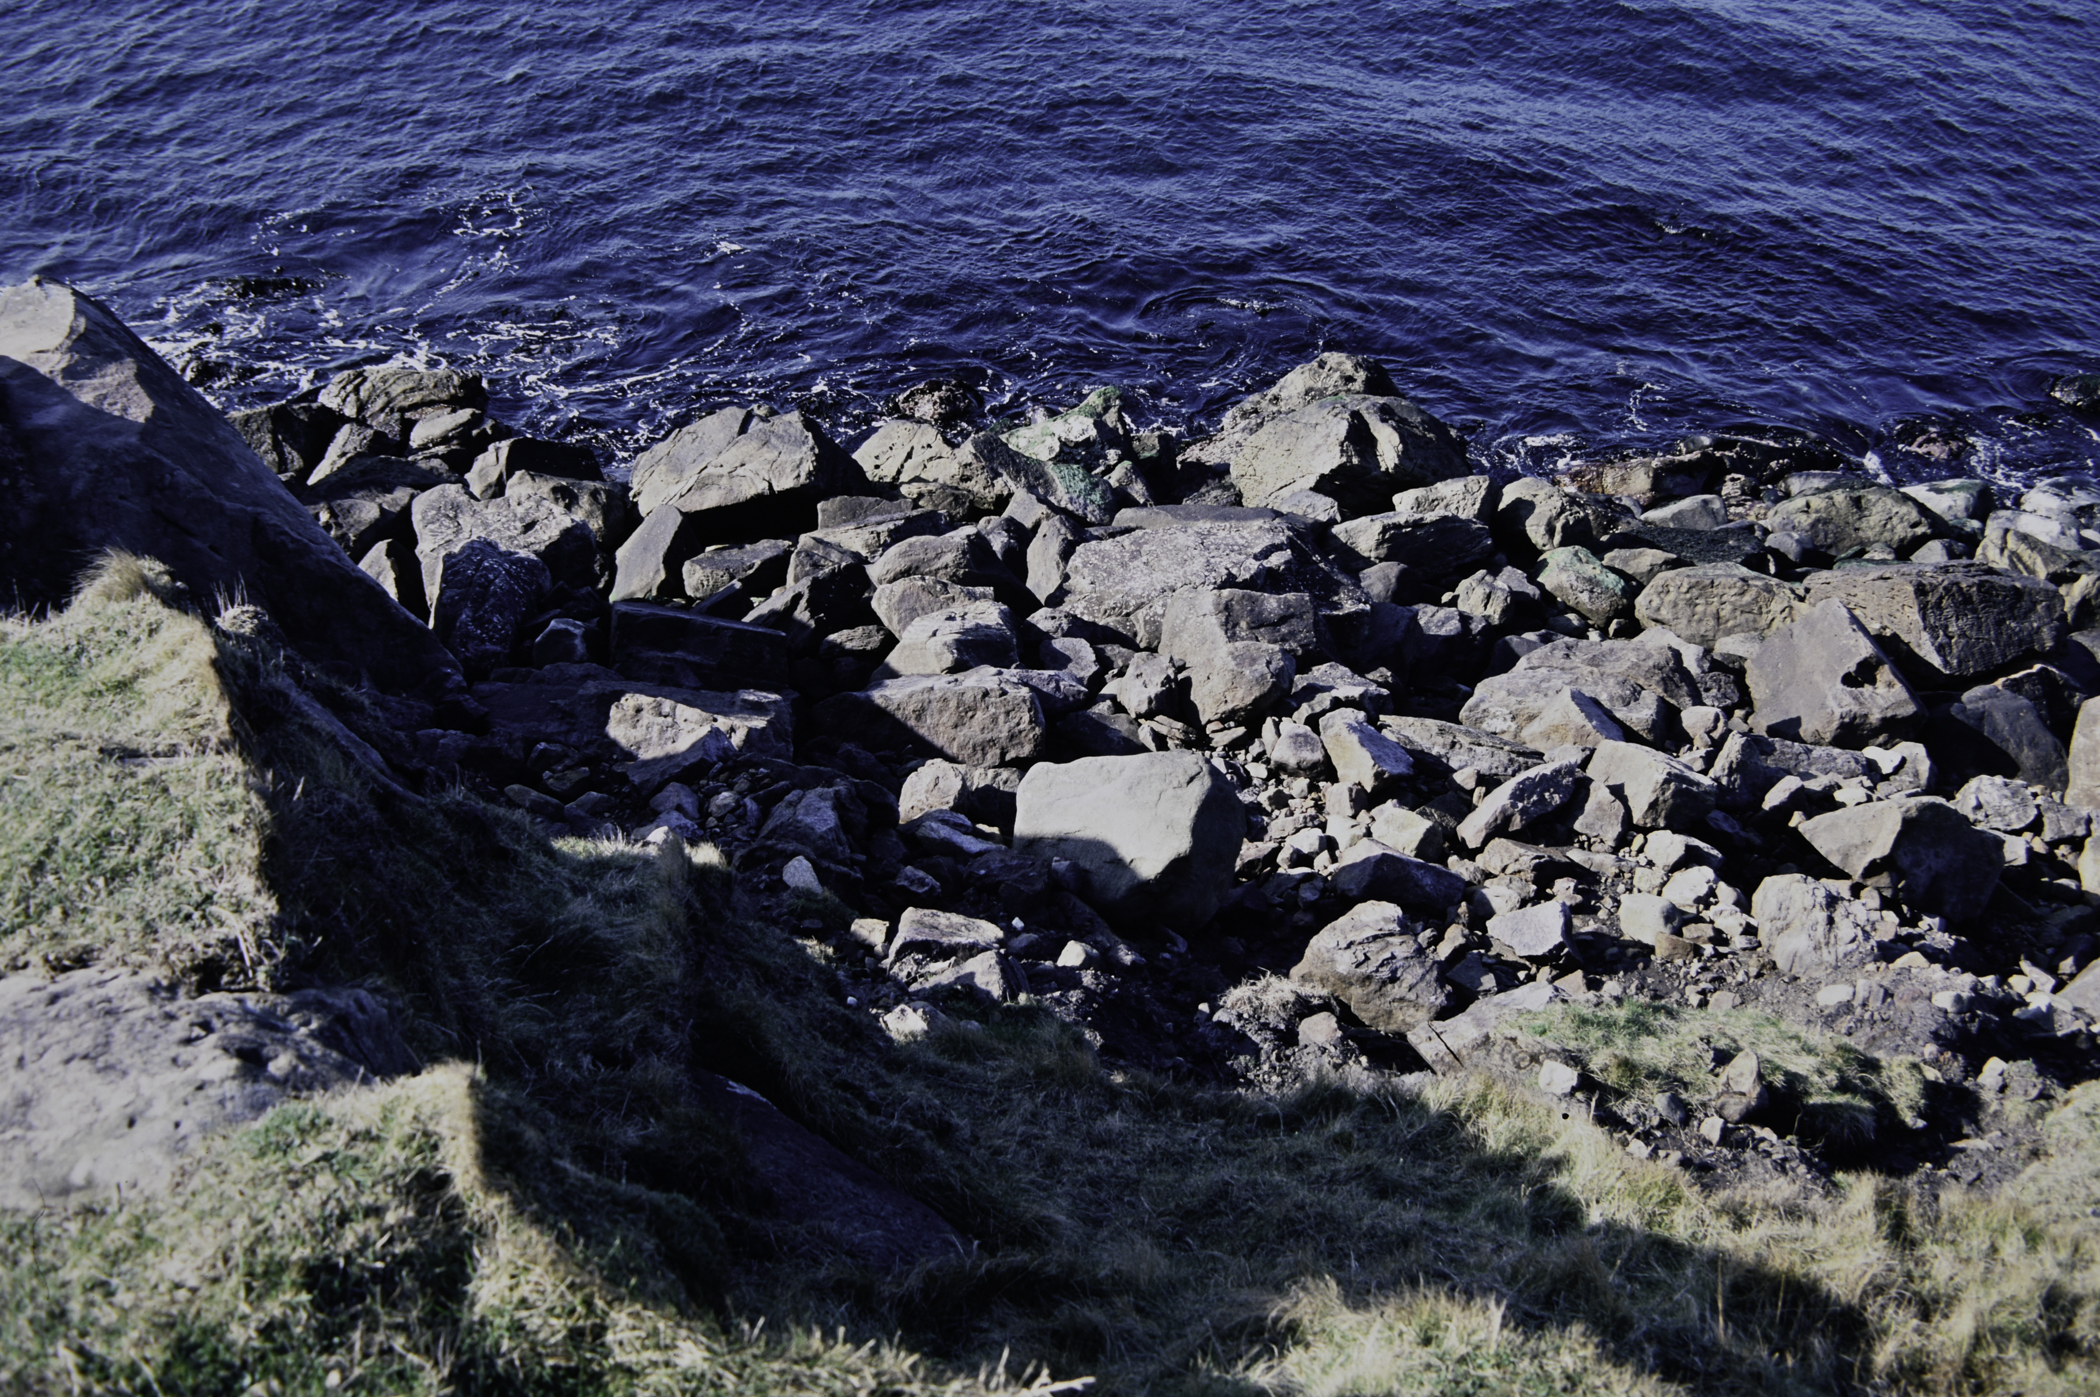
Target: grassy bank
{"points": [[542, 1209]]}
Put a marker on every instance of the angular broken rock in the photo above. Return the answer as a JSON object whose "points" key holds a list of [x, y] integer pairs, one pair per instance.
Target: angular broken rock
{"points": [[1370, 870], [1576, 578], [949, 642], [1573, 720], [1240, 680], [1808, 929], [1157, 836], [1940, 863], [1362, 755], [1823, 680], [1659, 791], [1702, 604], [1854, 516], [983, 717], [1535, 931], [666, 732], [2083, 787], [1443, 748], [1948, 621], [1373, 960], [1646, 917], [1450, 1045], [1520, 801], [481, 595]]}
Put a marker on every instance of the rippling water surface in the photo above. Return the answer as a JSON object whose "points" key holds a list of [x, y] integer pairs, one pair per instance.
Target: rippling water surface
{"points": [[1566, 226]]}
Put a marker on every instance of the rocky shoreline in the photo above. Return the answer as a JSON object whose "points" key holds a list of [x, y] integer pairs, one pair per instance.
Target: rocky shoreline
{"points": [[1292, 752]]}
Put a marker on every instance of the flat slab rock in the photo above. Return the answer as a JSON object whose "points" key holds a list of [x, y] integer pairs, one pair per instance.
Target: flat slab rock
{"points": [[109, 1078]]}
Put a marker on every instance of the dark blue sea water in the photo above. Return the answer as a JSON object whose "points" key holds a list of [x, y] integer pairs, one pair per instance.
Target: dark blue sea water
{"points": [[1565, 225]]}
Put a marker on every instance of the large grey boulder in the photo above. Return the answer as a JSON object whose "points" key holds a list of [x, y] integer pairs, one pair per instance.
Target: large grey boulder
{"points": [[1508, 705], [2082, 788], [1536, 516], [764, 480], [1658, 791], [1807, 929], [1948, 621], [1361, 755], [1823, 680], [949, 642], [392, 398], [1704, 603], [1443, 748], [1576, 578], [1441, 546], [1938, 862], [448, 517], [481, 595], [1372, 871], [673, 645], [1157, 835], [1124, 583], [1991, 730], [1239, 680], [982, 717], [1201, 619], [1374, 960], [104, 446], [1851, 517], [1521, 801], [108, 1079]]}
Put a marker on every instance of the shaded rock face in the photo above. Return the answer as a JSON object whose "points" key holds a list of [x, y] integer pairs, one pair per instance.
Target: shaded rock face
{"points": [[1950, 621], [111, 449], [1156, 834], [118, 1077], [1936, 859]]}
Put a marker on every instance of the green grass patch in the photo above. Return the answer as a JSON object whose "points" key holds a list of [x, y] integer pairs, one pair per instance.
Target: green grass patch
{"points": [[1642, 1048]]}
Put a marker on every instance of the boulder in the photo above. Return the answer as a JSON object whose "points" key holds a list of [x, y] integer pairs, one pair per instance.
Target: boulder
{"points": [[1573, 720], [600, 505], [1854, 517], [1240, 680], [667, 467], [1702, 604], [1373, 959], [1659, 792], [1937, 861], [981, 793], [1124, 583], [949, 642], [1998, 803], [1362, 756], [1948, 621], [898, 604], [481, 595], [1823, 680], [982, 717], [666, 644], [1453, 1045], [1062, 483], [1157, 835], [1536, 516], [1992, 731], [1506, 705], [2082, 784], [765, 481], [1693, 512], [1440, 546], [1439, 640], [104, 446], [1442, 748], [494, 468], [390, 398], [665, 733], [757, 568], [1534, 932], [291, 438], [1807, 929], [1370, 871], [112, 1078], [448, 517], [1467, 496], [1503, 598], [1199, 620], [1658, 668], [1523, 800], [1575, 578]]}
